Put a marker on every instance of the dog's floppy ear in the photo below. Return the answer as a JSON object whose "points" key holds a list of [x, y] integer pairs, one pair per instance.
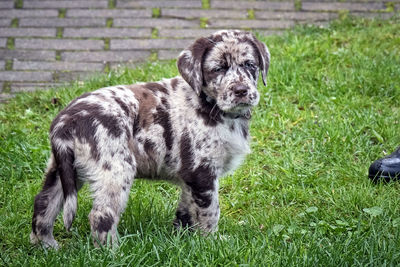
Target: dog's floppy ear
{"points": [[190, 63], [263, 58]]}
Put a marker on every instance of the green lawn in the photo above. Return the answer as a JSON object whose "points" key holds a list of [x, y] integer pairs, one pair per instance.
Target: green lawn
{"points": [[331, 107]]}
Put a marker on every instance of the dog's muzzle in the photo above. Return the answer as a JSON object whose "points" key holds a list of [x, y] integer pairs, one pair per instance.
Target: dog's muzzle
{"points": [[240, 90]]}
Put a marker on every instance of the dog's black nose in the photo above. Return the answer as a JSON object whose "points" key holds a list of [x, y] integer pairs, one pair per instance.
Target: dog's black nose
{"points": [[240, 90]]}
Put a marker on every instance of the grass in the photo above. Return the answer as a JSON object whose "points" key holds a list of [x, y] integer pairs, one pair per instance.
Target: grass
{"points": [[156, 12], [251, 14], [203, 23], [205, 4], [302, 197]]}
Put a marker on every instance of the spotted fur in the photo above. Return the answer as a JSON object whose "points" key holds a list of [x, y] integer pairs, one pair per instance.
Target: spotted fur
{"points": [[189, 130]]}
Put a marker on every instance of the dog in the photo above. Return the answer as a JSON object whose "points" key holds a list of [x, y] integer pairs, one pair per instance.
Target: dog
{"points": [[189, 130]]}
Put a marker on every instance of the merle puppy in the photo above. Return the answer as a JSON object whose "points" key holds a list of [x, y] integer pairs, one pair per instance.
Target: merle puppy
{"points": [[189, 130]]}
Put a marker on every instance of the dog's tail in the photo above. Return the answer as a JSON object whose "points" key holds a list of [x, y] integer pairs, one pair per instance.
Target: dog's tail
{"points": [[65, 159]]}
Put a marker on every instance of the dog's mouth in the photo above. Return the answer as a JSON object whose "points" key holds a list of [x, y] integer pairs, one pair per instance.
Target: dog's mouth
{"points": [[236, 107], [239, 108], [243, 104]]}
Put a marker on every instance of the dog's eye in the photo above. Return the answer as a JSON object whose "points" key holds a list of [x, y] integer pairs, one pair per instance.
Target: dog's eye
{"points": [[248, 65], [222, 68]]}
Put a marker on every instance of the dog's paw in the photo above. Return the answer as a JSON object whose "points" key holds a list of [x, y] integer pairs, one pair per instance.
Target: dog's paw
{"points": [[48, 243], [34, 239]]}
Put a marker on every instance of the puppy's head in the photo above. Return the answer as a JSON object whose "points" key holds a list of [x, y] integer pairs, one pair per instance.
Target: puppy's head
{"points": [[226, 67]]}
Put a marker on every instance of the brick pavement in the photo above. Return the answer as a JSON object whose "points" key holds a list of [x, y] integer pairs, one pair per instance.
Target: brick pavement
{"points": [[47, 42]]}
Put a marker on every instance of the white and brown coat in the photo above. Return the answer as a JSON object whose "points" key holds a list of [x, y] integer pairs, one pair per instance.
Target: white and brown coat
{"points": [[189, 130]]}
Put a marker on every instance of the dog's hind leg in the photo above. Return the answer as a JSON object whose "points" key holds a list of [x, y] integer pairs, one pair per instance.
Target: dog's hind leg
{"points": [[47, 205], [110, 190]]}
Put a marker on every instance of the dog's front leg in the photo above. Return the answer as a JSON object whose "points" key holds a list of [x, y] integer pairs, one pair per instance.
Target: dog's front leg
{"points": [[199, 207]]}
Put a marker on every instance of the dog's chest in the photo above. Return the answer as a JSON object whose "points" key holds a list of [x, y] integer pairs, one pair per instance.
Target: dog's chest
{"points": [[223, 147], [235, 144]]}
